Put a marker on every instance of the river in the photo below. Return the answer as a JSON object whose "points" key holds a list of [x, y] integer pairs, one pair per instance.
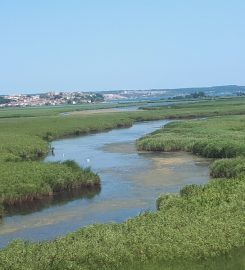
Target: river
{"points": [[131, 181]]}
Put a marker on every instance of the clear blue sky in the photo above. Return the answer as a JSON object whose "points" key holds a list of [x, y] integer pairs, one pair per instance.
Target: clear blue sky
{"points": [[111, 44]]}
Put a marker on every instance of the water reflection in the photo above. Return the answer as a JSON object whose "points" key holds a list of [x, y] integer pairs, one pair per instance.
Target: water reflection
{"points": [[58, 199]]}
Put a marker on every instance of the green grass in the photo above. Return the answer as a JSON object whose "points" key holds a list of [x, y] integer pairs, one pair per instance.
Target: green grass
{"points": [[200, 222], [219, 137], [228, 168], [233, 260], [27, 181]]}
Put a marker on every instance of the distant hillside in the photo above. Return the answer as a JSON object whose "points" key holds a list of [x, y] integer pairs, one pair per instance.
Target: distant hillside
{"points": [[215, 90], [226, 90]]}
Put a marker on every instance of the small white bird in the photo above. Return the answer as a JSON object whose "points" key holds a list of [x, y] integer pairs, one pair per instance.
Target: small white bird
{"points": [[88, 160], [63, 155]]}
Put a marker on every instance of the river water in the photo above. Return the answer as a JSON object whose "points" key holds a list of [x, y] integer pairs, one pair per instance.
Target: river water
{"points": [[131, 181]]}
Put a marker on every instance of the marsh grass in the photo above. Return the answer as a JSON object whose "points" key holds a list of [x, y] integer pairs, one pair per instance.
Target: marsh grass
{"points": [[27, 181], [228, 168], [198, 223], [26, 139], [219, 137]]}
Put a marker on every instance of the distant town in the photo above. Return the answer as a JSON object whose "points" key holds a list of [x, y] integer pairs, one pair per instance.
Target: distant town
{"points": [[50, 98], [78, 97]]}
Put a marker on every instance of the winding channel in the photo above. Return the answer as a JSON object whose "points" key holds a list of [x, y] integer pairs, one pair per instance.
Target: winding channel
{"points": [[131, 181]]}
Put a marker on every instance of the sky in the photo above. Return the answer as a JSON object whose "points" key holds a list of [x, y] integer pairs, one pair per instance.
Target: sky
{"points": [[93, 45]]}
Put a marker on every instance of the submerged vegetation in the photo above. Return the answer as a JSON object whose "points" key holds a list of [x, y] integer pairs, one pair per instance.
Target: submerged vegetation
{"points": [[199, 222]]}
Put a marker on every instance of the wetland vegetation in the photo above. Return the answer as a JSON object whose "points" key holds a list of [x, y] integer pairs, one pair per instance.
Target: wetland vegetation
{"points": [[200, 222], [217, 137], [27, 181]]}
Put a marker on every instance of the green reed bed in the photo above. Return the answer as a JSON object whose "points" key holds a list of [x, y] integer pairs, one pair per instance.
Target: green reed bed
{"points": [[219, 137], [228, 168], [28, 138], [199, 223], [53, 127], [27, 181]]}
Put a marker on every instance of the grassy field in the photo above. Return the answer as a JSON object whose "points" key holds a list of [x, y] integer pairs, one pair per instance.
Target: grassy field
{"points": [[200, 222]]}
